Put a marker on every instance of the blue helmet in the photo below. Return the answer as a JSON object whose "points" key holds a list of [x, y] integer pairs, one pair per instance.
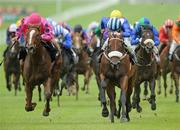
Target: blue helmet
{"points": [[144, 21], [114, 24]]}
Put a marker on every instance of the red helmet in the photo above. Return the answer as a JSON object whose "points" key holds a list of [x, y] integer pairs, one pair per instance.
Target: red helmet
{"points": [[34, 19], [168, 23]]}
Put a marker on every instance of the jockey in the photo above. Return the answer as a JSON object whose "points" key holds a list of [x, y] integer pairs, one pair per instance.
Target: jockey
{"points": [[144, 23], [60, 32], [104, 29], [116, 17], [164, 36], [10, 33], [176, 38], [65, 25], [85, 39], [45, 28]]}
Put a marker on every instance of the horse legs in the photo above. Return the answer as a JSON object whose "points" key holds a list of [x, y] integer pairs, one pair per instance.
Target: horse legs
{"points": [[39, 91], [171, 89], [105, 111], [98, 84], [153, 95], [165, 84], [145, 90], [159, 84], [8, 81], [48, 89], [176, 81], [16, 82], [111, 95], [29, 92], [124, 87]]}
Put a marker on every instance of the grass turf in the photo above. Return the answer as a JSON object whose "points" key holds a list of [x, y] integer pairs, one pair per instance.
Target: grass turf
{"points": [[85, 114]]}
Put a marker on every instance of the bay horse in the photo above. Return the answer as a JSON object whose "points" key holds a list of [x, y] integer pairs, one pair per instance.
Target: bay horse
{"points": [[38, 69], [116, 70], [83, 66], [12, 66], [176, 71], [95, 46], [145, 69]]}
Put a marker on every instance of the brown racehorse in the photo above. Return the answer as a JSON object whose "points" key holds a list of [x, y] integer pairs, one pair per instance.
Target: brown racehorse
{"points": [[165, 66], [176, 71], [145, 69], [95, 46], [12, 66], [83, 66], [116, 70], [38, 69]]}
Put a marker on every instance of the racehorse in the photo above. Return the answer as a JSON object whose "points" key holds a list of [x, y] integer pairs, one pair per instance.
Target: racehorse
{"points": [[176, 71], [95, 46], [83, 66], [165, 68], [145, 69], [38, 69], [116, 70], [12, 66]]}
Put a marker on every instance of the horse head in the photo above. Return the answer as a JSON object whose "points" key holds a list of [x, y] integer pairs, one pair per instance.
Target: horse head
{"points": [[115, 50], [33, 38], [77, 42], [147, 42]]}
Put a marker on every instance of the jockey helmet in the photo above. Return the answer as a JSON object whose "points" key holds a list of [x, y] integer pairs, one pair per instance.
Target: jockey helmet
{"points": [[168, 23], [114, 24], [144, 22], [34, 19], [13, 27], [178, 22], [78, 28], [116, 13]]}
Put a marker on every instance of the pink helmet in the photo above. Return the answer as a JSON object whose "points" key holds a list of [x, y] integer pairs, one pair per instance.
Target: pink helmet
{"points": [[168, 23], [34, 19]]}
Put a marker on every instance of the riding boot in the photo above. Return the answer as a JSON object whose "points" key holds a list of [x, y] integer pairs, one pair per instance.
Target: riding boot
{"points": [[74, 56], [100, 55], [171, 50], [130, 50], [52, 50], [161, 47]]}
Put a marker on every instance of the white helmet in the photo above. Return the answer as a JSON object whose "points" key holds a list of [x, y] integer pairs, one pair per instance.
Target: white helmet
{"points": [[92, 26], [12, 28]]}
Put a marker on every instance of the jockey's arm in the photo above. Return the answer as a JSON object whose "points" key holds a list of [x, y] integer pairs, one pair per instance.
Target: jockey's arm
{"points": [[8, 38], [126, 29], [48, 34], [134, 38], [68, 42], [156, 36], [175, 34], [162, 36]]}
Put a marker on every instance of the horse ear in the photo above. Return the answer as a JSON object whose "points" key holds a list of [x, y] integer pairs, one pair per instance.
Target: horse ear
{"points": [[109, 35]]}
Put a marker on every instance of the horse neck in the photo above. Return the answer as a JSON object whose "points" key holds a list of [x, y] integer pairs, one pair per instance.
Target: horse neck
{"points": [[38, 55], [143, 56]]}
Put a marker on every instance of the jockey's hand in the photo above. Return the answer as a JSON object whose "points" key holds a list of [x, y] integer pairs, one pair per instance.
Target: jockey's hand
{"points": [[14, 39]]}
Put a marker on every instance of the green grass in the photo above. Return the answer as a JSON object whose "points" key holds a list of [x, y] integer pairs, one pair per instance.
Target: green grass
{"points": [[85, 114], [157, 13]]}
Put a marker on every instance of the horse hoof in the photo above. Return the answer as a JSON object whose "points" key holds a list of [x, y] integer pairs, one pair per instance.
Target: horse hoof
{"points": [[153, 106], [83, 89], [177, 99], [45, 113], [105, 112], [171, 91], [139, 109], [112, 120], [159, 92], [133, 105], [165, 95], [123, 120], [29, 108]]}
